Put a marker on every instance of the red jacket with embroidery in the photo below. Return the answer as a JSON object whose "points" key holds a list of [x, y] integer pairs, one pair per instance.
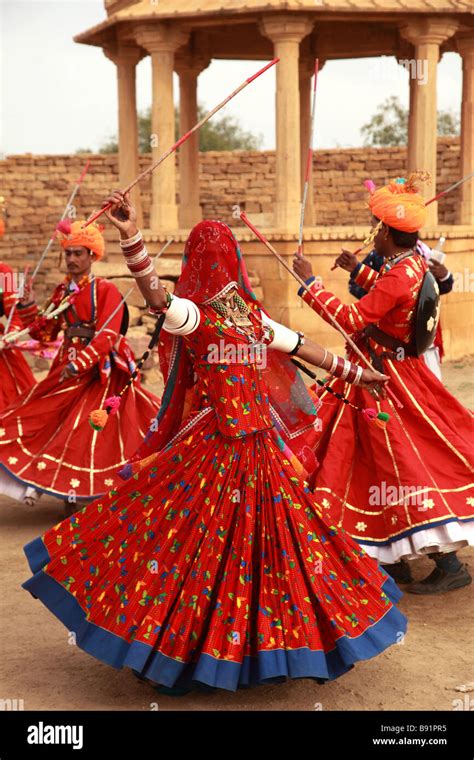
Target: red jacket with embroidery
{"points": [[390, 303], [91, 307]]}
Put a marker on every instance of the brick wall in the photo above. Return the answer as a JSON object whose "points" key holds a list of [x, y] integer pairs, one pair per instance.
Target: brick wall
{"points": [[36, 187]]}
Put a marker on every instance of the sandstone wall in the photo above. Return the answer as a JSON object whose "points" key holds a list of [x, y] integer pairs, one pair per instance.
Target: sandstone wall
{"points": [[37, 187]]}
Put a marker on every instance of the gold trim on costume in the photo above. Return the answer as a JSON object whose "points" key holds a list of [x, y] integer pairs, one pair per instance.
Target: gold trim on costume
{"points": [[430, 422]]}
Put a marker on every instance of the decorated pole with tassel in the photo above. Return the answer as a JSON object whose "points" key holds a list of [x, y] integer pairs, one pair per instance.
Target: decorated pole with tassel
{"points": [[378, 418], [64, 214], [309, 160], [333, 321], [185, 137]]}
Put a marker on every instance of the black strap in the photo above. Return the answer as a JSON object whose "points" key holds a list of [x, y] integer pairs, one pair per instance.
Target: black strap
{"points": [[156, 331]]}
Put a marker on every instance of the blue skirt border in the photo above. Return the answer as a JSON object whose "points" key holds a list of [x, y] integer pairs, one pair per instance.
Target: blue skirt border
{"points": [[267, 667]]}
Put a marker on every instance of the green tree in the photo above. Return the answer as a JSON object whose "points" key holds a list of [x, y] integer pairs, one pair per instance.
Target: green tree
{"points": [[389, 124], [217, 134]]}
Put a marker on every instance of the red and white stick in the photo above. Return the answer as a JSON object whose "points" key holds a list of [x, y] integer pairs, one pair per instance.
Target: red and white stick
{"points": [[309, 160], [53, 236], [451, 187], [183, 139], [333, 321]]}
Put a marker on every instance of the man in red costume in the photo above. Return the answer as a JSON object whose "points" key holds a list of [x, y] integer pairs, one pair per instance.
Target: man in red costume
{"points": [[46, 441], [15, 373], [406, 488]]}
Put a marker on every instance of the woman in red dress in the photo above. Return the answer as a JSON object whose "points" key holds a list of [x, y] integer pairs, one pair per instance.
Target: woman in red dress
{"points": [[213, 564], [406, 490], [15, 373], [46, 442]]}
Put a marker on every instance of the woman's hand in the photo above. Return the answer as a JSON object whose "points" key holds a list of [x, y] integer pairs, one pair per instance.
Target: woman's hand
{"points": [[374, 382], [347, 260], [302, 267], [122, 213]]}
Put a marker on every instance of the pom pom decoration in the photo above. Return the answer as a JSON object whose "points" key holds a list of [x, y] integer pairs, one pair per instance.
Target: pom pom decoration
{"points": [[98, 419], [381, 420], [369, 414], [369, 185], [112, 404], [64, 227]]}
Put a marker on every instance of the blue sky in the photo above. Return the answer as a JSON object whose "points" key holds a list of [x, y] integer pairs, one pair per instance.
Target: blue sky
{"points": [[58, 96]]}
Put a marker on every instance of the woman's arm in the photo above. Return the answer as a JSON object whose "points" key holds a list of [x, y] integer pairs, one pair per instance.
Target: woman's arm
{"points": [[123, 216], [294, 343], [182, 315]]}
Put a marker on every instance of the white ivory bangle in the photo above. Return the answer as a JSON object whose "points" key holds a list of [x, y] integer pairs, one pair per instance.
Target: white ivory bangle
{"points": [[284, 339], [131, 241], [182, 316]]}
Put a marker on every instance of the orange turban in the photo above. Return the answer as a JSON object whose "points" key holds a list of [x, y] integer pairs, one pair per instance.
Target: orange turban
{"points": [[76, 233], [399, 205]]}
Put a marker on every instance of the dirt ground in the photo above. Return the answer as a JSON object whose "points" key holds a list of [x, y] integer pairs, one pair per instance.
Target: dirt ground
{"points": [[40, 667]]}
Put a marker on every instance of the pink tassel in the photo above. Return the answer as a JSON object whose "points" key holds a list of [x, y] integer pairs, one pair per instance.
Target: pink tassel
{"points": [[112, 404], [369, 414], [64, 227], [369, 185]]}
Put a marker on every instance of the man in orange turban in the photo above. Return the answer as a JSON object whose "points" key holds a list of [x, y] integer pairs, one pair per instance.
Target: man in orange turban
{"points": [[77, 235], [399, 205], [47, 444], [407, 490]]}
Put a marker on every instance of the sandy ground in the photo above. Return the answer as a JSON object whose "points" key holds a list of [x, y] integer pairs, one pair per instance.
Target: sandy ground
{"points": [[41, 668]]}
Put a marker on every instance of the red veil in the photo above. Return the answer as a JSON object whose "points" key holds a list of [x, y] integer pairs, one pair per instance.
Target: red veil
{"points": [[212, 265]]}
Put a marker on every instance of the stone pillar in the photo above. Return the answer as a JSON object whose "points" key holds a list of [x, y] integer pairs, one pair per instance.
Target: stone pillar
{"points": [[161, 41], [189, 67], [126, 57], [306, 102], [465, 46], [411, 158], [286, 33], [426, 35]]}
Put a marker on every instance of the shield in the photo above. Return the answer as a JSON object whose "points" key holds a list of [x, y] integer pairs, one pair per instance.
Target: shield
{"points": [[427, 314]]}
